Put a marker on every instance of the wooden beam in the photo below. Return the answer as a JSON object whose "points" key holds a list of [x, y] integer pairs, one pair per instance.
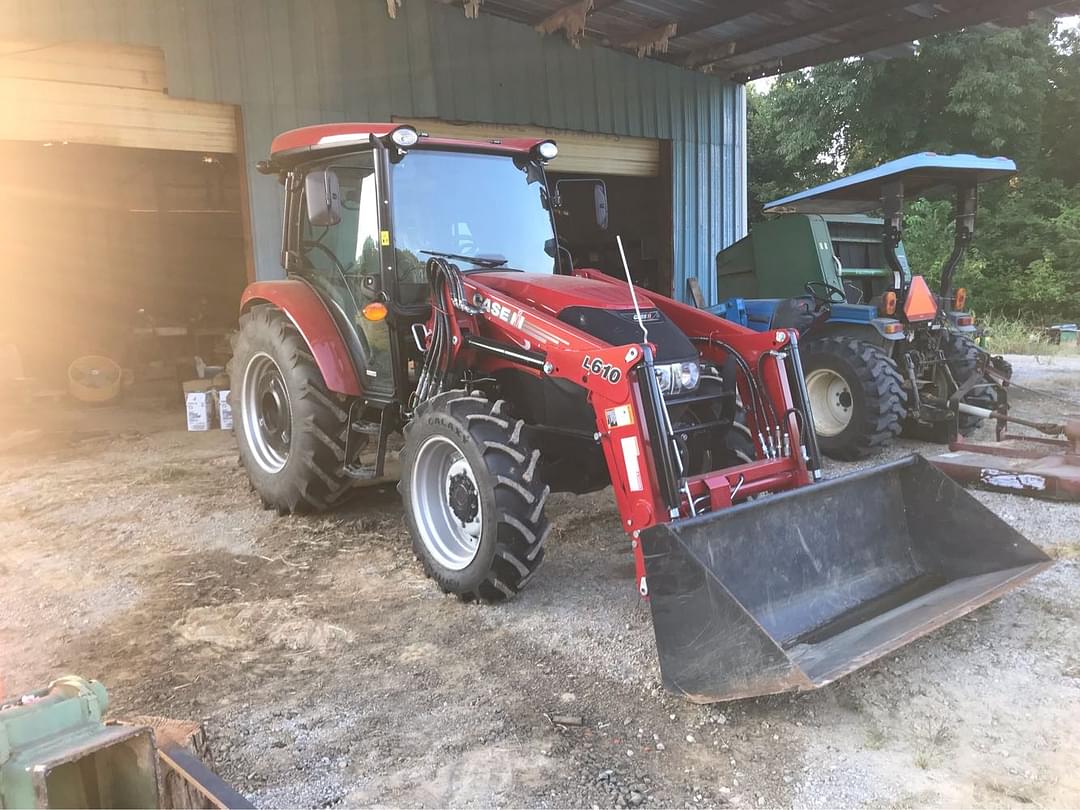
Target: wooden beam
{"points": [[113, 116], [973, 13], [246, 223], [851, 11], [578, 151]]}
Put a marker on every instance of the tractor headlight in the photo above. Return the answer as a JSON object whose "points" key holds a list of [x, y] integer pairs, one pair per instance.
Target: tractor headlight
{"points": [[689, 373], [675, 378]]}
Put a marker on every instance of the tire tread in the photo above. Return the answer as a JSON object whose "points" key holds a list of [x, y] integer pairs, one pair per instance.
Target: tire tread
{"points": [[318, 481], [879, 380], [522, 528]]}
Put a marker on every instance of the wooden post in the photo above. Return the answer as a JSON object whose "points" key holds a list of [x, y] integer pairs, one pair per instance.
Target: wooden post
{"points": [[245, 200]]}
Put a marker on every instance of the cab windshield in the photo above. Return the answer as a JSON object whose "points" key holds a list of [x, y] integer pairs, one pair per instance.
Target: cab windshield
{"points": [[488, 207]]}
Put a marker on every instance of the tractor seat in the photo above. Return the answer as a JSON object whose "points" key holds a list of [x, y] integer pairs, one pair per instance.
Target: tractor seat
{"points": [[794, 313]]}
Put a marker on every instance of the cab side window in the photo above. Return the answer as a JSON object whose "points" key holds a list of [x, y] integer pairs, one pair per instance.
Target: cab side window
{"points": [[342, 246], [338, 246]]}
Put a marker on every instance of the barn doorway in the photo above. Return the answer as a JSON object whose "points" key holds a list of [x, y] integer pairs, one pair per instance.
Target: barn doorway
{"points": [[134, 254]]}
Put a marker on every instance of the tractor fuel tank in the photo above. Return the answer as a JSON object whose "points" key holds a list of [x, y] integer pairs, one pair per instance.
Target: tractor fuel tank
{"points": [[794, 590]]}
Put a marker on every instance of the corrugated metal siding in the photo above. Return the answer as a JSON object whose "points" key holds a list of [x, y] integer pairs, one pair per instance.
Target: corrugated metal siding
{"points": [[291, 62]]}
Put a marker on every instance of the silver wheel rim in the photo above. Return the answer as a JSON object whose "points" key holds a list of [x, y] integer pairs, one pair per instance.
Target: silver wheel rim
{"points": [[830, 400], [267, 413], [446, 504]]}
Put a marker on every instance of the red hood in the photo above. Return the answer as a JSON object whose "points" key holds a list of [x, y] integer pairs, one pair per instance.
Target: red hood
{"points": [[552, 294]]}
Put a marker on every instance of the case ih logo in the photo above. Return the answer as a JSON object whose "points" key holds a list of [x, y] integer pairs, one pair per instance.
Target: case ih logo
{"points": [[514, 317], [647, 316]]}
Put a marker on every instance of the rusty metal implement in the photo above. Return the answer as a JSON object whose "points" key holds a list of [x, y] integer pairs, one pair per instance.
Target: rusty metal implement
{"points": [[1022, 464]]}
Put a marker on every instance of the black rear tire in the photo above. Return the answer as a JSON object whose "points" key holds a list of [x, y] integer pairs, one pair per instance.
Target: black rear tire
{"points": [[502, 487], [873, 404], [962, 355], [304, 472]]}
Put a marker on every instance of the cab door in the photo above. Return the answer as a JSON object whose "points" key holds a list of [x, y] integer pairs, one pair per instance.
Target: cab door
{"points": [[335, 247]]}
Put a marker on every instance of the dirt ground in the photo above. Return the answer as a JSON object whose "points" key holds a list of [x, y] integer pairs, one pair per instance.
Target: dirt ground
{"points": [[329, 671]]}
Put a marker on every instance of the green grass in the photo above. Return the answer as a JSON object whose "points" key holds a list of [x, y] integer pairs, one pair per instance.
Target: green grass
{"points": [[932, 736], [1016, 336]]}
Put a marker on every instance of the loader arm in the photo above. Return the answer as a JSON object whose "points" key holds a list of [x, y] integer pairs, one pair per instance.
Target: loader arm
{"points": [[500, 332]]}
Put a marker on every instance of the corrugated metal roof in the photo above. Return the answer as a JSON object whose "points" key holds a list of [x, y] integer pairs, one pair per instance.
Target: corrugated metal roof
{"points": [[743, 39]]}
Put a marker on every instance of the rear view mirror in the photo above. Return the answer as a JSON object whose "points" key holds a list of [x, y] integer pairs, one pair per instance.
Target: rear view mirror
{"points": [[600, 202], [322, 192]]}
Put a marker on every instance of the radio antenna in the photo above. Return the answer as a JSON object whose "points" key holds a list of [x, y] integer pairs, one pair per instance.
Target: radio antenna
{"points": [[633, 295]]}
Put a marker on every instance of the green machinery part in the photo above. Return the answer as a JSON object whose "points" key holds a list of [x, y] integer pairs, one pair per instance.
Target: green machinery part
{"points": [[56, 751], [781, 254]]}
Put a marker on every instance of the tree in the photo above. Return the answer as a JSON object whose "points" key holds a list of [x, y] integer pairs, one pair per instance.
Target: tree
{"points": [[775, 164], [986, 91]]}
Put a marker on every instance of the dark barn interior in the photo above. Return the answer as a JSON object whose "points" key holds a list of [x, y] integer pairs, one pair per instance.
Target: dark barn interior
{"points": [[127, 253]]}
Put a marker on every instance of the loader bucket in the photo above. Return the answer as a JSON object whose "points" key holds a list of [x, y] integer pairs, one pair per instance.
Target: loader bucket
{"points": [[791, 592]]}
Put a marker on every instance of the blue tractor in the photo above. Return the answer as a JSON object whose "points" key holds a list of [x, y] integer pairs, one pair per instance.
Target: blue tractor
{"points": [[882, 353]]}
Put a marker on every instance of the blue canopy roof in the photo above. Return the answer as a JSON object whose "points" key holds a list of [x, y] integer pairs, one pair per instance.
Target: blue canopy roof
{"points": [[862, 192]]}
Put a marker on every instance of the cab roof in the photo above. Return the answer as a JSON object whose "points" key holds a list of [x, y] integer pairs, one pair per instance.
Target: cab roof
{"points": [[297, 145], [921, 172]]}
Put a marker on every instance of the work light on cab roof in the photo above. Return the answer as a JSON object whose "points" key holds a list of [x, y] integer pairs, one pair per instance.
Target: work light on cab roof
{"points": [[547, 150], [405, 137]]}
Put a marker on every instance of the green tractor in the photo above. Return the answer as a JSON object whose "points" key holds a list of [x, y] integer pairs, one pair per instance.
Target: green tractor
{"points": [[881, 352]]}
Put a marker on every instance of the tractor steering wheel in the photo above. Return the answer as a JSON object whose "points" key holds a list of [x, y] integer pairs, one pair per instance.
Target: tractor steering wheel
{"points": [[825, 293], [309, 243]]}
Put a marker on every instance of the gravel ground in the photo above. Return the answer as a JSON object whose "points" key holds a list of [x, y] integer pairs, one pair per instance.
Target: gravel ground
{"points": [[329, 671]]}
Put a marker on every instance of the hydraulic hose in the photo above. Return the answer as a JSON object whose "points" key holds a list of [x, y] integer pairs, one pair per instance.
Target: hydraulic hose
{"points": [[757, 399], [442, 277]]}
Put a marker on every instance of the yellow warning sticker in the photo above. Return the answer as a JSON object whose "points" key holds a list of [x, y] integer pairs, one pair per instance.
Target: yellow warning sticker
{"points": [[384, 238]]}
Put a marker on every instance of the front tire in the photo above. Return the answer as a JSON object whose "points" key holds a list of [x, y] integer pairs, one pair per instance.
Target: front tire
{"points": [[856, 395], [290, 429], [474, 503], [719, 449]]}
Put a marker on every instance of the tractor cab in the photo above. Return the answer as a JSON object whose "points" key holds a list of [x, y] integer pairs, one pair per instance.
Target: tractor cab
{"points": [[367, 206]]}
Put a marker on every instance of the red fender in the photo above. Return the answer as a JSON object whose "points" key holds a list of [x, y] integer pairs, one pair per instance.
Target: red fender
{"points": [[308, 313]]}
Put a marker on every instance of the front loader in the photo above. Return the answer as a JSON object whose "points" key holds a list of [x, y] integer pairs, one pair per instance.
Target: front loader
{"points": [[429, 306]]}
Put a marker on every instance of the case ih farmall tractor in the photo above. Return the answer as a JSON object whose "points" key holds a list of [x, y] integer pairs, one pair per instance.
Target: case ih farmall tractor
{"points": [[427, 295]]}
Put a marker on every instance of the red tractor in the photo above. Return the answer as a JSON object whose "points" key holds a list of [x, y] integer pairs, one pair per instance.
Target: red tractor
{"points": [[427, 295]]}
